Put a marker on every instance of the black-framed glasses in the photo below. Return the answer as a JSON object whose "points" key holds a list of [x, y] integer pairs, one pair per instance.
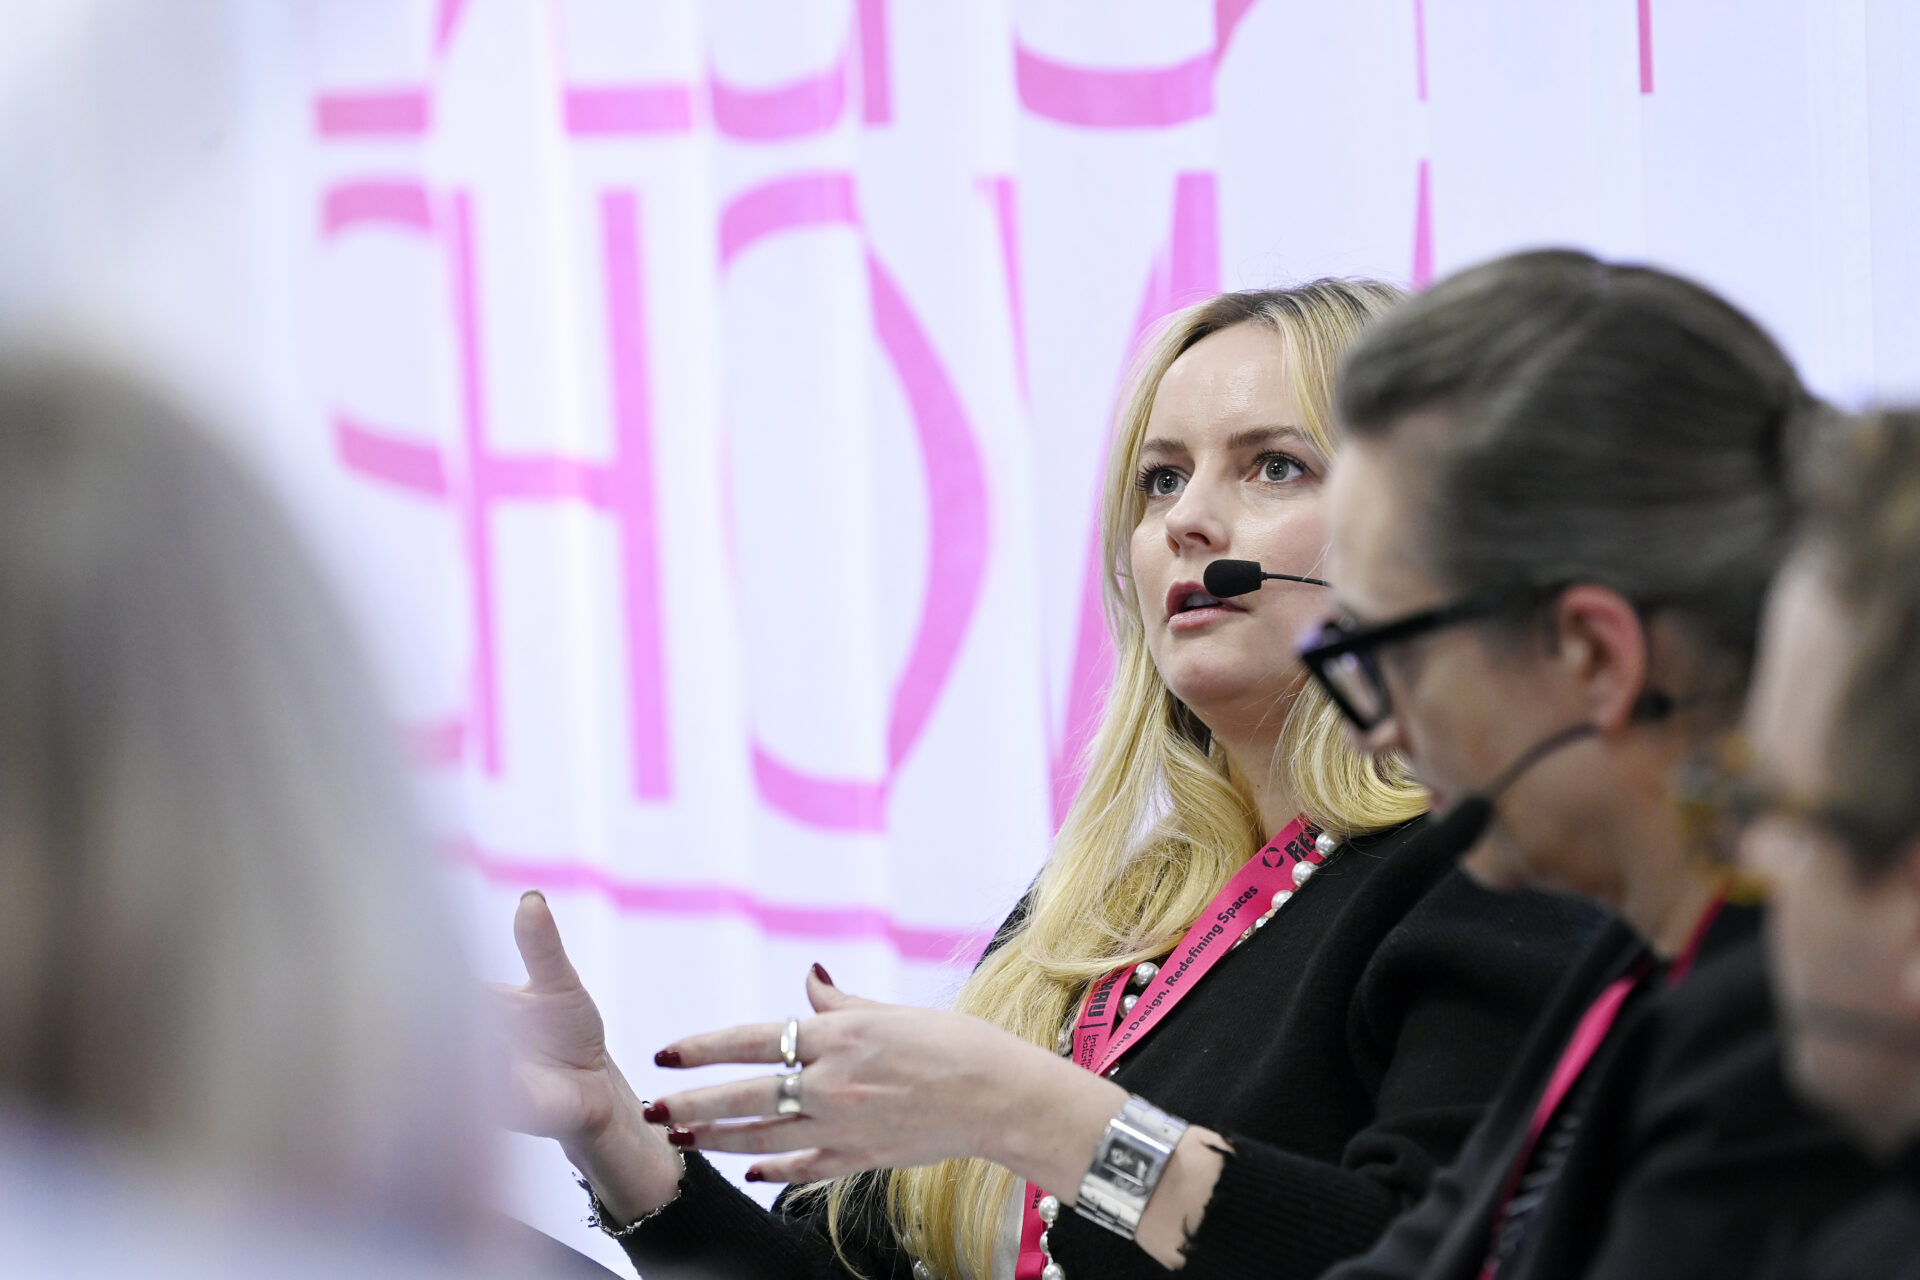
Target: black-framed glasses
{"points": [[1344, 659], [1721, 793]]}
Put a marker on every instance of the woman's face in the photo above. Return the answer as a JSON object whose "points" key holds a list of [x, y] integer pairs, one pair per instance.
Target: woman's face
{"points": [[1466, 702], [1228, 471], [1837, 943]]}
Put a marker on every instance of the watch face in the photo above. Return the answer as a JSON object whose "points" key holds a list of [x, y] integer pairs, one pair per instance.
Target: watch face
{"points": [[1127, 1161]]}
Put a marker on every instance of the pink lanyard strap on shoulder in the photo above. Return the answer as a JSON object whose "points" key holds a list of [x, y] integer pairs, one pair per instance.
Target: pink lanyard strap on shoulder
{"points": [[1586, 1040], [1101, 1037]]}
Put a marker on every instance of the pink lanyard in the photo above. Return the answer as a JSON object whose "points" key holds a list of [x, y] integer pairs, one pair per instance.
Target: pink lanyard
{"points": [[1584, 1043], [1101, 1036]]}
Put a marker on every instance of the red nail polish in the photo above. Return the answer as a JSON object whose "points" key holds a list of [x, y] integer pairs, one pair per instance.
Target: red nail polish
{"points": [[820, 972], [680, 1137], [655, 1113], [754, 1175], [667, 1058]]}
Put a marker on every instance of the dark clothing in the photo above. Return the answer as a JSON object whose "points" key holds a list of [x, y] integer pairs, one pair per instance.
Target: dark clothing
{"points": [[1689, 1155], [1876, 1240], [1346, 1051]]}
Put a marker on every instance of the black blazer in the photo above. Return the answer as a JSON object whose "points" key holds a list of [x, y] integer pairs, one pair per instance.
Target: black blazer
{"points": [[1347, 1051], [1691, 1157]]}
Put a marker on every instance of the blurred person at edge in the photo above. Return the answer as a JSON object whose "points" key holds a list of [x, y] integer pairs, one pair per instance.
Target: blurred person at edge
{"points": [[236, 1033], [1328, 1066], [1552, 530], [1827, 798]]}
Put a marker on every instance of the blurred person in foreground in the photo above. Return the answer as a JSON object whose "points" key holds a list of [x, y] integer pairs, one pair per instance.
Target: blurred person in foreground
{"points": [[236, 1032], [1829, 800]]}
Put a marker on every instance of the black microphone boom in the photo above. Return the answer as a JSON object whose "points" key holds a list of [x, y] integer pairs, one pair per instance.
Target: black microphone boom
{"points": [[1464, 822], [1225, 579], [1468, 818]]}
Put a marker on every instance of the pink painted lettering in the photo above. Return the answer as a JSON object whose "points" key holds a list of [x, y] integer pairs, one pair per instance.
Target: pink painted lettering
{"points": [[392, 113], [824, 923], [956, 491], [1101, 98], [621, 487], [1646, 46], [1423, 229], [876, 82], [637, 110], [810, 105]]}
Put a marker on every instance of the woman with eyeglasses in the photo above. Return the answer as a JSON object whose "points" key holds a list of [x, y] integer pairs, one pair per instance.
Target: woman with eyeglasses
{"points": [[1242, 1015], [1562, 501], [1829, 814]]}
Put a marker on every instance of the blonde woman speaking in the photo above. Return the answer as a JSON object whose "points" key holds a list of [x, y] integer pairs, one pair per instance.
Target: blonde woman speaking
{"points": [[1243, 1013]]}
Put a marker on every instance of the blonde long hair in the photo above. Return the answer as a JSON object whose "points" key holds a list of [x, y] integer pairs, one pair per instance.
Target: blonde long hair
{"points": [[1158, 826]]}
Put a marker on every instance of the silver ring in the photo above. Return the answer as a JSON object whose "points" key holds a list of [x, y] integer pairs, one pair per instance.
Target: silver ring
{"points": [[788, 1103], [790, 1044]]}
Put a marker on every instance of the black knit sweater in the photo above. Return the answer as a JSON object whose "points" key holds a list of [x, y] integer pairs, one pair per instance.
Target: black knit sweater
{"points": [[1346, 1051]]}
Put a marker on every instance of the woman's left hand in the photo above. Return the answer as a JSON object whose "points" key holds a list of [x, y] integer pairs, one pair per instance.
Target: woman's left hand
{"points": [[889, 1086]]}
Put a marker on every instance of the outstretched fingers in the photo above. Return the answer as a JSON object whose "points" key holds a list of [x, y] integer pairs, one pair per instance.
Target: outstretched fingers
{"points": [[751, 1137], [751, 1098], [541, 950], [755, 1042], [825, 997], [760, 1041], [802, 1166]]}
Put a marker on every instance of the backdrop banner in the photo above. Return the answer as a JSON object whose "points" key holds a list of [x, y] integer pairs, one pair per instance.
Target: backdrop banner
{"points": [[703, 402]]}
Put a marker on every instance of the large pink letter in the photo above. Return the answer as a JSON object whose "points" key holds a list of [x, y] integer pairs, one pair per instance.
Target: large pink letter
{"points": [[957, 502]]}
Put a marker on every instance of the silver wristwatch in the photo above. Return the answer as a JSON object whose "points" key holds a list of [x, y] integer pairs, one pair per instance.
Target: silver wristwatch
{"points": [[1127, 1165]]}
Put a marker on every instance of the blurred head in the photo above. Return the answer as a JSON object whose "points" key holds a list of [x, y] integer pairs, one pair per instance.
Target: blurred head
{"points": [[1831, 804], [1579, 466], [221, 940]]}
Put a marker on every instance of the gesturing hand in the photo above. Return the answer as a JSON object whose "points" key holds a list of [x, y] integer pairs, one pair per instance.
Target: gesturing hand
{"points": [[564, 1085], [888, 1086]]}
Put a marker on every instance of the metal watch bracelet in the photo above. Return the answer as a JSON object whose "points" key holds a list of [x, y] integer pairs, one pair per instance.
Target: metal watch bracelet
{"points": [[1127, 1165]]}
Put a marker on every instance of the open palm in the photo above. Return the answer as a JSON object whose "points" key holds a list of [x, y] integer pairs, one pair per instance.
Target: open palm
{"points": [[563, 1084]]}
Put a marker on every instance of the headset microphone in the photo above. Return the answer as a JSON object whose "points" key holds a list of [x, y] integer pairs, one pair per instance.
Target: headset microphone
{"points": [[1225, 579], [1467, 818]]}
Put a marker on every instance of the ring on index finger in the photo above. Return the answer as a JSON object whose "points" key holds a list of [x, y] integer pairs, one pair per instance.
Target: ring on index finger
{"points": [[787, 1102], [790, 1044]]}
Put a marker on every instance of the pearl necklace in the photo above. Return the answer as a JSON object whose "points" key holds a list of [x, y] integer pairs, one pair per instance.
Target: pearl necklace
{"points": [[1143, 973], [1146, 971], [1302, 872]]}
